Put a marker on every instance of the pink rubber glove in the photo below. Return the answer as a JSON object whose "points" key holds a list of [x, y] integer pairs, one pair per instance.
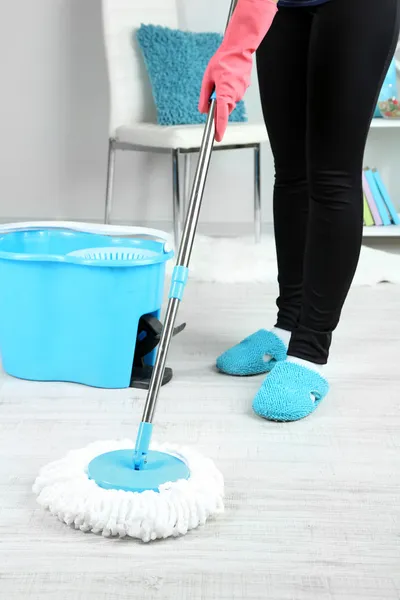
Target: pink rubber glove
{"points": [[229, 70]]}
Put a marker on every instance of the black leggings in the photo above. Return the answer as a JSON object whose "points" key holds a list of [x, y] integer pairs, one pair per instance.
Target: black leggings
{"points": [[320, 71]]}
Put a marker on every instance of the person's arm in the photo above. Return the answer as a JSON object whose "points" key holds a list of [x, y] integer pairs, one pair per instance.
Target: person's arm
{"points": [[229, 70]]}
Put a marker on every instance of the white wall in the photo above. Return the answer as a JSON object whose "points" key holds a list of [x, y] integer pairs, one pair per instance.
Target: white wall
{"points": [[53, 123]]}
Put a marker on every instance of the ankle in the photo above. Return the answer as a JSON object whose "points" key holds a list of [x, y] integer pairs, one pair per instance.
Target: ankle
{"points": [[306, 364], [282, 334]]}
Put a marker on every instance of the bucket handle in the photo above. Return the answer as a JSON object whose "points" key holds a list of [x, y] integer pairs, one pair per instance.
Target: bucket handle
{"points": [[100, 229]]}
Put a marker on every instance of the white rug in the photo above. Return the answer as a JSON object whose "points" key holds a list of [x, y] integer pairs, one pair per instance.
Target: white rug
{"points": [[240, 260]]}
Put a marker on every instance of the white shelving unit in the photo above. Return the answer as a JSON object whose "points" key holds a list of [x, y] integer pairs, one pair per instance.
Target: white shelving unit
{"points": [[390, 231], [385, 123]]}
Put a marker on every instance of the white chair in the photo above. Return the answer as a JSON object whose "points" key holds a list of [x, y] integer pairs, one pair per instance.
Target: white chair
{"points": [[132, 119]]}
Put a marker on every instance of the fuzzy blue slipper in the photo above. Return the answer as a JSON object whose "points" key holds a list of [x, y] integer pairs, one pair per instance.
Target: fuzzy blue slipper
{"points": [[286, 394], [247, 358]]}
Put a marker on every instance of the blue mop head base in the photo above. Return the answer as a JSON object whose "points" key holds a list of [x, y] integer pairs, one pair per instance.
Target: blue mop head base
{"points": [[116, 471]]}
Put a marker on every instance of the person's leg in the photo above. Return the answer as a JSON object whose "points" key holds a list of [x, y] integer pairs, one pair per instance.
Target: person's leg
{"points": [[282, 64], [352, 43], [282, 73]]}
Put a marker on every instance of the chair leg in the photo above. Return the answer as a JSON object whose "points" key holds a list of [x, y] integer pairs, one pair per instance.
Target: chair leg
{"points": [[186, 184], [176, 197], [257, 194], [110, 180]]}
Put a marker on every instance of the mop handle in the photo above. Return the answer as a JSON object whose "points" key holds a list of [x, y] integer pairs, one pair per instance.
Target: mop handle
{"points": [[180, 273], [179, 278]]}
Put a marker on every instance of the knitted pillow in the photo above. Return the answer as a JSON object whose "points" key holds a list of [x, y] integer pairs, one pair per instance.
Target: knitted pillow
{"points": [[176, 61]]}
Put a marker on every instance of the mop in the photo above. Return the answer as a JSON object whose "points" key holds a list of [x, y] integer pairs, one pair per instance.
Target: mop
{"points": [[142, 490]]}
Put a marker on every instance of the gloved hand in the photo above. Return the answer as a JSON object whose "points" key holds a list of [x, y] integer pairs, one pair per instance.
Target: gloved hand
{"points": [[229, 70]]}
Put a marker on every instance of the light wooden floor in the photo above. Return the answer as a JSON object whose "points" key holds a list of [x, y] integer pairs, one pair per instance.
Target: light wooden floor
{"points": [[312, 508]]}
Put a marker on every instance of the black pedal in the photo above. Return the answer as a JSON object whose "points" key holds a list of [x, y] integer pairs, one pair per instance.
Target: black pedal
{"points": [[141, 377], [148, 338]]}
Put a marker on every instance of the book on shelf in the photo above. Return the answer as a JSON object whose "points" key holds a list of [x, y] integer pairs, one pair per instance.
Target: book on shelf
{"points": [[370, 200], [394, 217], [381, 206], [368, 218], [377, 198]]}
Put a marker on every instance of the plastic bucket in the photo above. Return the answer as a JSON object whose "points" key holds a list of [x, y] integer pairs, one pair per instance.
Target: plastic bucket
{"points": [[71, 299]]}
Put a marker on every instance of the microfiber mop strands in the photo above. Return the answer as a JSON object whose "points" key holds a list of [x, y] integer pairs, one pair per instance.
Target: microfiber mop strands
{"points": [[66, 490]]}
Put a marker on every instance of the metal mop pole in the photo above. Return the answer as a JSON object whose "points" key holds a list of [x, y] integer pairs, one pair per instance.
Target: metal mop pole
{"points": [[179, 279]]}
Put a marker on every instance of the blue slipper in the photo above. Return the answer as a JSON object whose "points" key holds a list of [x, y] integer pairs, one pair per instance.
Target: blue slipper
{"points": [[286, 394], [247, 358]]}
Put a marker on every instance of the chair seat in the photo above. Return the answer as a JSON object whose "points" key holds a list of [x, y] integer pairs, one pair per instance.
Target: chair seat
{"points": [[188, 136]]}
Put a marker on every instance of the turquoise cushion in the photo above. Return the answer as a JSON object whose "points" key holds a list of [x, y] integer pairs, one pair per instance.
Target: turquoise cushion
{"points": [[176, 61]]}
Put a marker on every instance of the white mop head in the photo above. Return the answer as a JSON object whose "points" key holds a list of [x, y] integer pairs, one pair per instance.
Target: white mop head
{"points": [[64, 488]]}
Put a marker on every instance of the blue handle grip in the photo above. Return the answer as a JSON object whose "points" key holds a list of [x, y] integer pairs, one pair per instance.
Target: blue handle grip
{"points": [[142, 444], [178, 282]]}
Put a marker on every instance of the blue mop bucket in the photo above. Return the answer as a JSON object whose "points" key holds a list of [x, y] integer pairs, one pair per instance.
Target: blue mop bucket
{"points": [[72, 296]]}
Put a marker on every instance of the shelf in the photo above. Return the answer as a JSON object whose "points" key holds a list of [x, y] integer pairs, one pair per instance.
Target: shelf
{"points": [[384, 123], [392, 231]]}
